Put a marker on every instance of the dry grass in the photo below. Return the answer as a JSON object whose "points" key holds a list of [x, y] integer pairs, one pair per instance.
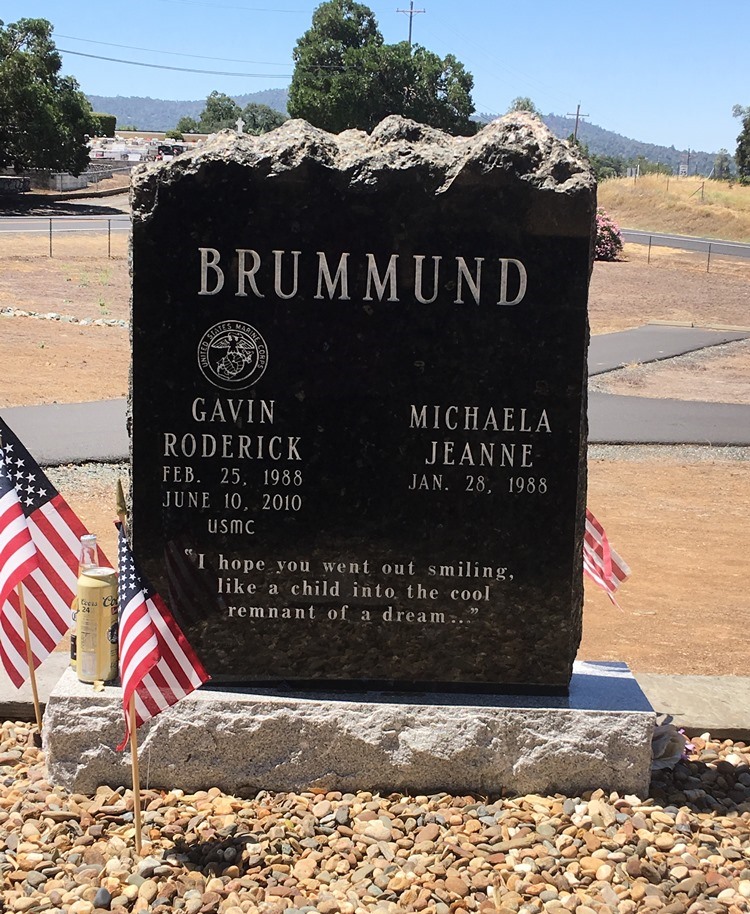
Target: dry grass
{"points": [[83, 247], [690, 261], [118, 180], [78, 280], [682, 206], [720, 374]]}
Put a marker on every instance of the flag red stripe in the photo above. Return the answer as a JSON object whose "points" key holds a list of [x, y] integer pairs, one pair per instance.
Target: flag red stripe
{"points": [[600, 562], [17, 554], [155, 678]]}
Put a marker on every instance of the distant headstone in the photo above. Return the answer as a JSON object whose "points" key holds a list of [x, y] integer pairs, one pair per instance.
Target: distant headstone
{"points": [[240, 125], [358, 403]]}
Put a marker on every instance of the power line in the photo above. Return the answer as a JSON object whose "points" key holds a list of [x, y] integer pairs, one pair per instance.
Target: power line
{"points": [[161, 66], [130, 47], [226, 6]]}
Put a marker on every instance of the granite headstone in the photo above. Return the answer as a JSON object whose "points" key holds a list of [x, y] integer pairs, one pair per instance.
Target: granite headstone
{"points": [[358, 403]]}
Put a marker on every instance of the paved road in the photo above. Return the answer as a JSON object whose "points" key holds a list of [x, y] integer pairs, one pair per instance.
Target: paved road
{"points": [[40, 225], [686, 243], [644, 420]]}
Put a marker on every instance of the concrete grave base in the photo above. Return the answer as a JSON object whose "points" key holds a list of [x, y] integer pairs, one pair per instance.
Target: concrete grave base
{"points": [[242, 741]]}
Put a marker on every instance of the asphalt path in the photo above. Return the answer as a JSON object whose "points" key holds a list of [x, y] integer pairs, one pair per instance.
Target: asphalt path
{"points": [[652, 343], [645, 420], [59, 433], [97, 431]]}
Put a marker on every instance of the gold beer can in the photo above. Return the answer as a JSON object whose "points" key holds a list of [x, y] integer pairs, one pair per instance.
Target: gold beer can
{"points": [[96, 625]]}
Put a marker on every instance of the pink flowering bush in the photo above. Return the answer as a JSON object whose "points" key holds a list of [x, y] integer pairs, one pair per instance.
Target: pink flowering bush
{"points": [[608, 237]]}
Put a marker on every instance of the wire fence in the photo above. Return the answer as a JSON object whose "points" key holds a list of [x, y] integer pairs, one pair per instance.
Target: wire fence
{"points": [[697, 249], [60, 236]]}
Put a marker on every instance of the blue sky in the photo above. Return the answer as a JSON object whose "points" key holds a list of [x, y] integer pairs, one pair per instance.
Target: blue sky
{"points": [[661, 72]]}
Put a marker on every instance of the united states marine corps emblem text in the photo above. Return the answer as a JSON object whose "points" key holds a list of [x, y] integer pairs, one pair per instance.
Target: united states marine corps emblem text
{"points": [[232, 355]]}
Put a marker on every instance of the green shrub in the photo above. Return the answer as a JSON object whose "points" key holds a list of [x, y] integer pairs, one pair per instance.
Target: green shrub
{"points": [[107, 123], [608, 237]]}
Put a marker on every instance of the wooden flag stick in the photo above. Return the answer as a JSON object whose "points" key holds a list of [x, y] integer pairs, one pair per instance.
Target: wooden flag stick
{"points": [[136, 774], [29, 656], [122, 509]]}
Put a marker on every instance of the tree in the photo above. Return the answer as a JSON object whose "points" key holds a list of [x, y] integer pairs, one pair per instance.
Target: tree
{"points": [[328, 78], [722, 168], [187, 125], [742, 156], [261, 118], [221, 111], [45, 119], [524, 103], [345, 76]]}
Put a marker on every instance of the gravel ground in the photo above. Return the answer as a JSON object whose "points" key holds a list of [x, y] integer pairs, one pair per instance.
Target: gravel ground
{"points": [[669, 453], [72, 477], [686, 848]]}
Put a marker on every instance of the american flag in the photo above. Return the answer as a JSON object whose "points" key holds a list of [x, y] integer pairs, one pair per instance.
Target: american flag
{"points": [[157, 664], [600, 561], [51, 586], [18, 556]]}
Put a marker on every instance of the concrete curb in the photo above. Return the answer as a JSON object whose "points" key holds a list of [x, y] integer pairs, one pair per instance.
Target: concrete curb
{"points": [[86, 193]]}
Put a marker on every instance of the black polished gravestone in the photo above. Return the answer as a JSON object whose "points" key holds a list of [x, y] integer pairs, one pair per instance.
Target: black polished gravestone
{"points": [[358, 403]]}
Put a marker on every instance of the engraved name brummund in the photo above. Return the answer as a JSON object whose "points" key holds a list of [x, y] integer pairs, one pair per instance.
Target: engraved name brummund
{"points": [[358, 403]]}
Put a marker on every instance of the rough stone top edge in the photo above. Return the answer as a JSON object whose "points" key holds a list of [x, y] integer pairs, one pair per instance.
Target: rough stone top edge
{"points": [[518, 144]]}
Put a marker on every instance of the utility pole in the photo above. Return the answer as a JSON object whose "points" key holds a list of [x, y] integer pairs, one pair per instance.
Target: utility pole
{"points": [[411, 13], [577, 116]]}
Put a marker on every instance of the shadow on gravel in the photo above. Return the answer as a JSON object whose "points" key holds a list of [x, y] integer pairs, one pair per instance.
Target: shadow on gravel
{"points": [[213, 855], [42, 205], [720, 788]]}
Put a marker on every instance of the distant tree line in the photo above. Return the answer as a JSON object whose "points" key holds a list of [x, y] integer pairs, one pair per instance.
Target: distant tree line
{"points": [[605, 166]]}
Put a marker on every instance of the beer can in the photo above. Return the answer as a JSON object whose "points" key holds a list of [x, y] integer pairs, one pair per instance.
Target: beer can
{"points": [[88, 557], [96, 625]]}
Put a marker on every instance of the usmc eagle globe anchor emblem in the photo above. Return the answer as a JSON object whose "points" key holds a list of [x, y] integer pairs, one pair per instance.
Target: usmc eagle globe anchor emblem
{"points": [[232, 355]]}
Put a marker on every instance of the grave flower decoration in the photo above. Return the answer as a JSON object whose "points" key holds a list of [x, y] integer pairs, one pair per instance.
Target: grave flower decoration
{"points": [[667, 746]]}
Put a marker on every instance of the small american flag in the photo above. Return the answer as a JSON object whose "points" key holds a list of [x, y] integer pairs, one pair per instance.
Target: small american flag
{"points": [[50, 586], [600, 561], [157, 664], [18, 556]]}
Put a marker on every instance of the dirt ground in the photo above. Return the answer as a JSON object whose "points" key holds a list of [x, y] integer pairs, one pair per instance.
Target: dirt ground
{"points": [[720, 374], [678, 515]]}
